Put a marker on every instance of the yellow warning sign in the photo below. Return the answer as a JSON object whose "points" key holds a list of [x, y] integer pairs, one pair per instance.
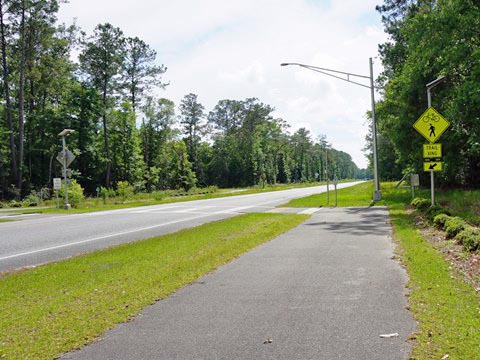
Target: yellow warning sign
{"points": [[432, 150], [432, 166], [431, 125]]}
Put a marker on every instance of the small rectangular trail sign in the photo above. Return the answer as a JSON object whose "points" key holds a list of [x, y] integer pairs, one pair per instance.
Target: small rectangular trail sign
{"points": [[432, 151], [432, 166]]}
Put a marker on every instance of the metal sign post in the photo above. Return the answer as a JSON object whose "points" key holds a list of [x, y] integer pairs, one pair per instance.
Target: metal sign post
{"points": [[57, 185], [432, 125], [335, 182]]}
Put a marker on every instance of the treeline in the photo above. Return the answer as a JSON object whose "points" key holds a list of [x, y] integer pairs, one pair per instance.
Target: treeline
{"points": [[122, 133], [429, 39]]}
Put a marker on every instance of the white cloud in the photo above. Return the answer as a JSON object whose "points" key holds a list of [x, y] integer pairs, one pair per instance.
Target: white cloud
{"points": [[233, 49]]}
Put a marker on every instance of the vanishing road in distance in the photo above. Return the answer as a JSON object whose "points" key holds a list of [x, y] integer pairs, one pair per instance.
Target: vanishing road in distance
{"points": [[32, 242]]}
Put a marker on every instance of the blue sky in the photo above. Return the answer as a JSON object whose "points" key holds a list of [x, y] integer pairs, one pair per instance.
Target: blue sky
{"points": [[233, 49]]}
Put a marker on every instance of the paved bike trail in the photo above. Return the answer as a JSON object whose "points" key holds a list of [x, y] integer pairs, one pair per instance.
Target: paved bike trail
{"points": [[325, 290]]}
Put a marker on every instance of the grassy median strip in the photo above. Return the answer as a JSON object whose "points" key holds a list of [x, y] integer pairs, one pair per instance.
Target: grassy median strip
{"points": [[358, 195], [61, 306]]}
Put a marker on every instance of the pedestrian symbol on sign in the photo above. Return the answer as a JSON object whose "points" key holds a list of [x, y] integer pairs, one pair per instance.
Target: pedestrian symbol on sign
{"points": [[432, 131]]}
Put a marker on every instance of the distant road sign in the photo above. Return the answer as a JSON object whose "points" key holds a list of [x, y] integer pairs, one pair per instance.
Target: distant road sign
{"points": [[433, 166], [57, 183], [415, 180], [431, 125], [432, 151], [68, 154]]}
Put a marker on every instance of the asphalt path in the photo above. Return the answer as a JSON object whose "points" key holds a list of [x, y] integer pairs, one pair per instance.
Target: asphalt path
{"points": [[328, 289], [34, 241]]}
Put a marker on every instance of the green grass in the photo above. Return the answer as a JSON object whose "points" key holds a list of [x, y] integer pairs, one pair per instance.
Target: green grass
{"points": [[93, 204], [358, 195], [62, 306], [447, 309], [465, 204]]}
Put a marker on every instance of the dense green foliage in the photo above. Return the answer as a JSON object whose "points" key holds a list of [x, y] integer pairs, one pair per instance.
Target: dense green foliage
{"points": [[427, 39], [123, 133]]}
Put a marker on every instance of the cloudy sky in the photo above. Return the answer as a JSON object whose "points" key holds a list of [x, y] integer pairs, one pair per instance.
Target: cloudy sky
{"points": [[232, 49]]}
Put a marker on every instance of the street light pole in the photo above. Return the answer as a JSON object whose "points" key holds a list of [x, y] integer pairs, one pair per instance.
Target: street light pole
{"points": [[67, 205], [430, 86], [64, 134], [377, 195]]}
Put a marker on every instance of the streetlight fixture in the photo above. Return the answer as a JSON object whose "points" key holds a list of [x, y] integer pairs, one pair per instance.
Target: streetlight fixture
{"points": [[64, 134], [377, 195], [430, 86]]}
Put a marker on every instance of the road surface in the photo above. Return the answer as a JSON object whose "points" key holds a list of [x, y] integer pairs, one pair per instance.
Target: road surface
{"points": [[32, 241]]}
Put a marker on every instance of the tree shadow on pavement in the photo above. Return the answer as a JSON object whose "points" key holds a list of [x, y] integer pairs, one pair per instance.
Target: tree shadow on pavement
{"points": [[368, 223]]}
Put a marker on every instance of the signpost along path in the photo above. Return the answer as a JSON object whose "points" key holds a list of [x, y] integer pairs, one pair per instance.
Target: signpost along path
{"points": [[431, 125]]}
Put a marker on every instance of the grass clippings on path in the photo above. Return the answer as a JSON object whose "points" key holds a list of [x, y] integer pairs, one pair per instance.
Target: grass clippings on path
{"points": [[62, 306]]}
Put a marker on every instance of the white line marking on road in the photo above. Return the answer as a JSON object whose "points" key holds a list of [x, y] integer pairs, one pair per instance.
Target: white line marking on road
{"points": [[130, 231], [309, 211], [102, 237]]}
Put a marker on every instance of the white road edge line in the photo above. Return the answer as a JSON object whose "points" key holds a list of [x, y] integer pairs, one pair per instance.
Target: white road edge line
{"points": [[309, 211], [126, 232]]}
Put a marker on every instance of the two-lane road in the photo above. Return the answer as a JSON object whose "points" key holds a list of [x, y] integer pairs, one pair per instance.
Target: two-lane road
{"points": [[35, 241]]}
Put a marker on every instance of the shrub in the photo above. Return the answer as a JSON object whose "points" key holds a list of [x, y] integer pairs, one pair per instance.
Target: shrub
{"points": [[440, 220], [421, 204], [469, 238], [30, 201], [434, 211], [124, 190], [454, 225], [15, 204], [159, 195], [105, 194], [75, 193], [212, 189]]}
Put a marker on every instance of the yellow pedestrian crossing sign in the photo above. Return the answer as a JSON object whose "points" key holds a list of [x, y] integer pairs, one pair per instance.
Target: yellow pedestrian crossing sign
{"points": [[431, 125]]}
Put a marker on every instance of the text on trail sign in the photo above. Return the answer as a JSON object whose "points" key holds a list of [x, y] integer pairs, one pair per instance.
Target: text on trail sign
{"points": [[432, 166], [431, 125], [431, 151]]}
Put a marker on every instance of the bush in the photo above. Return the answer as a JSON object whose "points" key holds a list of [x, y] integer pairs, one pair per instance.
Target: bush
{"points": [[31, 200], [421, 204], [212, 189], [15, 204], [435, 210], [454, 225], [124, 190], [105, 194], [469, 238], [75, 193], [440, 220]]}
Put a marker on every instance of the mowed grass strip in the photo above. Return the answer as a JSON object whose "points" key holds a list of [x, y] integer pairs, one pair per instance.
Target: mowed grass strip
{"points": [[61, 306], [357, 195], [447, 309]]}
